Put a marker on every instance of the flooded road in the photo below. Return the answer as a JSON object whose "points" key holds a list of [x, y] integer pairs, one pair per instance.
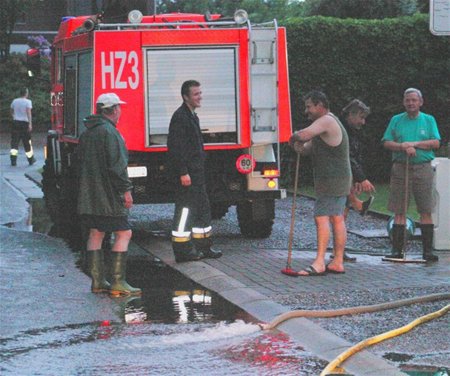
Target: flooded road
{"points": [[175, 328]]}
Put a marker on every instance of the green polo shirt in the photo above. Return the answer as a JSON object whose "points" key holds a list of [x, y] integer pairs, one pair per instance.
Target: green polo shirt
{"points": [[403, 129]]}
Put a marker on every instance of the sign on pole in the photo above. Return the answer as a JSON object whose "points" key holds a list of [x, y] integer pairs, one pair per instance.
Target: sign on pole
{"points": [[440, 17]]}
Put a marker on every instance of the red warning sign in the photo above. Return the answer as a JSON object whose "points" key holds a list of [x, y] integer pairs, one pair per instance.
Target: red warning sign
{"points": [[245, 164]]}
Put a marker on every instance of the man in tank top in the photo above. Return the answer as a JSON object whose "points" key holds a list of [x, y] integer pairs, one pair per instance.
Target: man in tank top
{"points": [[327, 142]]}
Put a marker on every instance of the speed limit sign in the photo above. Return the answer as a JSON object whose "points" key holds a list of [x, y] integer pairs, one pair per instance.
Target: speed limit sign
{"points": [[245, 163]]}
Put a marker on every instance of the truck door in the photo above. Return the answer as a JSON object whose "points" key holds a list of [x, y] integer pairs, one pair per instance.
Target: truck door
{"points": [[77, 92]]}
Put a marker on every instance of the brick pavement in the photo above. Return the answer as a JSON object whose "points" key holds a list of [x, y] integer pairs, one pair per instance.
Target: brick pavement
{"points": [[261, 269]]}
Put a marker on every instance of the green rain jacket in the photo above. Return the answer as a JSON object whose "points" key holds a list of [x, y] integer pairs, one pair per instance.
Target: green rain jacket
{"points": [[103, 175]]}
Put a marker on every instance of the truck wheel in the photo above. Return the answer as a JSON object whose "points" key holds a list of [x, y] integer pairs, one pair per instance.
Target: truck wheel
{"points": [[254, 222], [218, 210], [60, 202], [52, 193]]}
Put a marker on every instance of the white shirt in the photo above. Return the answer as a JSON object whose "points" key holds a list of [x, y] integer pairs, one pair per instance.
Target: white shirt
{"points": [[20, 106]]}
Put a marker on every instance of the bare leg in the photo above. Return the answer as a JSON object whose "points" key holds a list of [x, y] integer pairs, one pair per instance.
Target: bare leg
{"points": [[355, 202], [400, 219], [95, 239], [339, 241], [121, 241], [323, 237], [426, 219]]}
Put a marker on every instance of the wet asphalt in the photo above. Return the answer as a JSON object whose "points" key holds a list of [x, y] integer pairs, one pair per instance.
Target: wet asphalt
{"points": [[254, 264]]}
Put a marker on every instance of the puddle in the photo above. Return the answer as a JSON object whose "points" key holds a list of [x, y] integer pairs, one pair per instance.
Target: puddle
{"points": [[415, 370], [425, 371], [176, 327]]}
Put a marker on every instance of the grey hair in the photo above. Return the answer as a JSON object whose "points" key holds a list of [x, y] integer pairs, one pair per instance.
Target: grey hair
{"points": [[413, 90]]}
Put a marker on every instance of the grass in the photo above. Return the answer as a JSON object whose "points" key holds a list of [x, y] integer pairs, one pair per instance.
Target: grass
{"points": [[379, 204]]}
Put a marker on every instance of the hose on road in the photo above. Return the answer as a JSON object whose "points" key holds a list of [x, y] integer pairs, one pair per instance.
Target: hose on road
{"points": [[381, 337], [365, 309], [353, 310]]}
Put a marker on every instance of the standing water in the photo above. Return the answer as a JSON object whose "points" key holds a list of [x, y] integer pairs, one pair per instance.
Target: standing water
{"points": [[176, 328]]}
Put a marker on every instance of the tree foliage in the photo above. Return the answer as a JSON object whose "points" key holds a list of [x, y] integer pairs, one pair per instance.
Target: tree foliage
{"points": [[10, 12], [363, 9], [258, 10]]}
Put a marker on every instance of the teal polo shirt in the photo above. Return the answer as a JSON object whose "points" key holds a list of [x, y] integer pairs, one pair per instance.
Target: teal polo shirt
{"points": [[403, 129]]}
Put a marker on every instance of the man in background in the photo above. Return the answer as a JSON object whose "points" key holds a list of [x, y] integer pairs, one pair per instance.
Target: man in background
{"points": [[21, 127]]}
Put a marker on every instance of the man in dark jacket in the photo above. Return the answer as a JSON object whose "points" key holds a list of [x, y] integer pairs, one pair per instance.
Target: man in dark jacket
{"points": [[191, 230], [105, 195]]}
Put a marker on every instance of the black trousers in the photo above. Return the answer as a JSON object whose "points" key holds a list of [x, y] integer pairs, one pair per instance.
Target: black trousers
{"points": [[20, 132], [194, 201]]}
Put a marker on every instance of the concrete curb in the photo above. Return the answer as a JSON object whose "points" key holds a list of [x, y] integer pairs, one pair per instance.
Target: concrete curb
{"points": [[314, 338]]}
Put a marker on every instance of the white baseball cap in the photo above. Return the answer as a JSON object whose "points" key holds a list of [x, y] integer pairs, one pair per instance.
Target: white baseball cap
{"points": [[109, 100]]}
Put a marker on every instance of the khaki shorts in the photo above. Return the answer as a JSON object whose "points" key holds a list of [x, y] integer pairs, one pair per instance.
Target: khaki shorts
{"points": [[420, 185], [329, 206]]}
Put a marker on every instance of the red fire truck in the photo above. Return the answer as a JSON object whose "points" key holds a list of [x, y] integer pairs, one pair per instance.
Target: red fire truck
{"points": [[244, 117]]}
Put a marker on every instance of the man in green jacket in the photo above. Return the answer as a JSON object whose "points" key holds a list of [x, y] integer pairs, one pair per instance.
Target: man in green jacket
{"points": [[104, 197]]}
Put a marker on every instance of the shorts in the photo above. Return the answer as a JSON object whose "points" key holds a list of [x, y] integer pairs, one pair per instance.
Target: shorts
{"points": [[105, 223], [420, 184], [329, 206]]}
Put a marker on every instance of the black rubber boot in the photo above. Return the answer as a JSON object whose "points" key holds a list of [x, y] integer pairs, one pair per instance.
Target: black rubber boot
{"points": [[31, 160], [427, 242], [184, 252], [119, 285], [204, 245], [96, 270], [398, 241], [13, 160]]}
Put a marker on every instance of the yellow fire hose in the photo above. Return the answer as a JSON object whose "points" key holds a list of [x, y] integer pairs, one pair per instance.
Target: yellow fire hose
{"points": [[381, 337], [365, 309]]}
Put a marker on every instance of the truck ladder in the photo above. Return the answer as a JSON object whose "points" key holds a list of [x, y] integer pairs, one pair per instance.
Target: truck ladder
{"points": [[263, 44], [264, 83]]}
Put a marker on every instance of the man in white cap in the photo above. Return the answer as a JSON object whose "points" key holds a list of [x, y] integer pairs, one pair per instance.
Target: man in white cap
{"points": [[104, 197]]}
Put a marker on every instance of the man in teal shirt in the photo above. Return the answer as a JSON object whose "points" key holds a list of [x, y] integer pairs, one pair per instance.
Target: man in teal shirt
{"points": [[412, 136]]}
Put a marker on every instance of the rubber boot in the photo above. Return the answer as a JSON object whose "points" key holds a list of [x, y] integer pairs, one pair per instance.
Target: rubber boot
{"points": [[13, 160], [427, 242], [96, 270], [398, 240], [119, 285], [184, 252], [204, 245], [31, 160]]}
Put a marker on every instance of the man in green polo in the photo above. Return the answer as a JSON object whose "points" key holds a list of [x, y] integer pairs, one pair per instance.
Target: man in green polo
{"points": [[412, 136]]}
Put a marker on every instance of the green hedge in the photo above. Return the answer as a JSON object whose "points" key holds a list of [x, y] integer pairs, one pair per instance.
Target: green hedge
{"points": [[375, 61]]}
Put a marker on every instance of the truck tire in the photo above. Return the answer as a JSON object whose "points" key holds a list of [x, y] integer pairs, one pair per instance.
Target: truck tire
{"points": [[52, 193], [254, 224], [218, 210], [60, 202]]}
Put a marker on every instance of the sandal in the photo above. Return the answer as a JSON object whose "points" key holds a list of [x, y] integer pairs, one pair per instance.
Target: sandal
{"points": [[311, 272]]}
